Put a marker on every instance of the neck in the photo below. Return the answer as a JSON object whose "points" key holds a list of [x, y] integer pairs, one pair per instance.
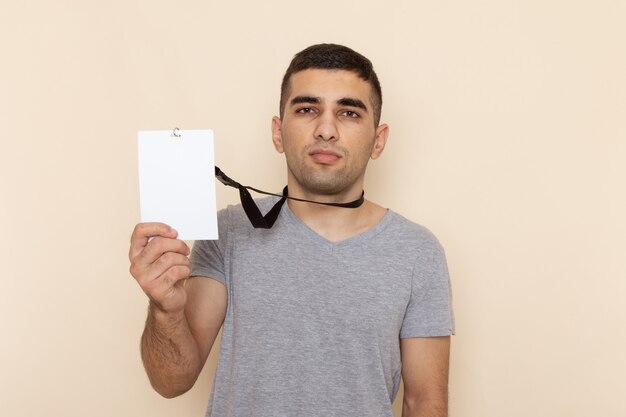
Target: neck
{"points": [[336, 223], [349, 204]]}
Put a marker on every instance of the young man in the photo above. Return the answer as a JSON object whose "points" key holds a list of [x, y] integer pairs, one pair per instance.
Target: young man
{"points": [[325, 311]]}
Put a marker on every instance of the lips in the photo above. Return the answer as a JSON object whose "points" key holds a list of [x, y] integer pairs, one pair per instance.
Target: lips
{"points": [[324, 156]]}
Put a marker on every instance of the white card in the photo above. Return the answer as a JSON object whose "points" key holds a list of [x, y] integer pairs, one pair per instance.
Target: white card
{"points": [[177, 181]]}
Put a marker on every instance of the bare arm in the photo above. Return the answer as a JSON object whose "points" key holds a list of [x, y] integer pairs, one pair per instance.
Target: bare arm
{"points": [[184, 317], [425, 363]]}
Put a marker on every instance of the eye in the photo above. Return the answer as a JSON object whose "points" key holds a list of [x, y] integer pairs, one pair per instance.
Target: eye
{"points": [[350, 113], [304, 110]]}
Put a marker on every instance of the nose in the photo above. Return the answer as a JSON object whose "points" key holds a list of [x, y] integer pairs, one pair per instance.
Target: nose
{"points": [[326, 128]]}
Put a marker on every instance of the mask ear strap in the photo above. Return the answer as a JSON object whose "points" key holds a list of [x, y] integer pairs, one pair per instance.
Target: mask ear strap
{"points": [[257, 219]]}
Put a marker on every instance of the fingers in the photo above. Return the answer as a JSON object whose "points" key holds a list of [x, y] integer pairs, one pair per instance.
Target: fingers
{"points": [[170, 267], [164, 275], [159, 264], [158, 256], [159, 246], [142, 234]]}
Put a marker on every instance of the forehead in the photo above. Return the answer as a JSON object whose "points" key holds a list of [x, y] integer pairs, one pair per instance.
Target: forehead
{"points": [[328, 85]]}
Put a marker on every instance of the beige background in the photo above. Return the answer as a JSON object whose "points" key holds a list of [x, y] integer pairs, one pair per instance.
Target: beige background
{"points": [[508, 141]]}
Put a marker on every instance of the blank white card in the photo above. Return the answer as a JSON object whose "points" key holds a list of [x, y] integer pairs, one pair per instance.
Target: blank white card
{"points": [[177, 181]]}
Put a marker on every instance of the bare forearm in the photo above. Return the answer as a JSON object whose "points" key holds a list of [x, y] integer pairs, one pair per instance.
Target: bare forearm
{"points": [[425, 364], [170, 353], [424, 408]]}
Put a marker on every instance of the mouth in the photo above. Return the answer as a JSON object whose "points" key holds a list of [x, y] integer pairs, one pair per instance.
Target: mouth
{"points": [[324, 156]]}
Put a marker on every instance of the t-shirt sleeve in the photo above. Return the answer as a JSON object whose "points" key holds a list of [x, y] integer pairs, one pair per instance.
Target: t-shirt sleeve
{"points": [[429, 311], [207, 256]]}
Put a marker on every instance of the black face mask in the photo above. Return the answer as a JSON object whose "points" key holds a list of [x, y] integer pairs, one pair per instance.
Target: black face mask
{"points": [[260, 221]]}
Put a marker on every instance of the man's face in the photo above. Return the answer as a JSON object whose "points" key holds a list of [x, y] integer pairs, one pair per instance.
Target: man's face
{"points": [[327, 132]]}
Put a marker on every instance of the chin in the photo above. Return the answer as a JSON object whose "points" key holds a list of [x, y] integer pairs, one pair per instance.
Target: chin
{"points": [[325, 181], [326, 186]]}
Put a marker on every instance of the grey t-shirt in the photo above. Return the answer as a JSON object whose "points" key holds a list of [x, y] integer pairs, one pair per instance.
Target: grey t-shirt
{"points": [[313, 327]]}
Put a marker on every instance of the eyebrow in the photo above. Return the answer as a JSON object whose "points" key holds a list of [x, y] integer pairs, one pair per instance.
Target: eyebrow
{"points": [[346, 101], [305, 99], [352, 102]]}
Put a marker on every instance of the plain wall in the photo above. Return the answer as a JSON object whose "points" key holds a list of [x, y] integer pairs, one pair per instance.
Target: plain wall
{"points": [[508, 140]]}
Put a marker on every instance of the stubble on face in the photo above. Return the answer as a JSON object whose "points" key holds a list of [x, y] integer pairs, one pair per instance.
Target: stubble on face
{"points": [[326, 179]]}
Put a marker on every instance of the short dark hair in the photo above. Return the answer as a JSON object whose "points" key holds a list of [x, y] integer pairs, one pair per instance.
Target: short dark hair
{"points": [[334, 57]]}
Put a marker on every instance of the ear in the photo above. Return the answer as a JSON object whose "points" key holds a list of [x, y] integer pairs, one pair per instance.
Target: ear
{"points": [[382, 133], [277, 134]]}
